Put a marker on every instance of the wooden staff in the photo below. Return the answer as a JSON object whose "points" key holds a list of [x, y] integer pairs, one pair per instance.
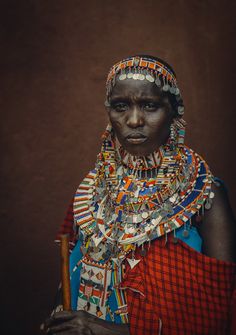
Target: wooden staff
{"points": [[65, 273]]}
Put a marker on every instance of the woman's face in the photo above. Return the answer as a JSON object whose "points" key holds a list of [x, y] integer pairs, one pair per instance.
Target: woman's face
{"points": [[141, 115]]}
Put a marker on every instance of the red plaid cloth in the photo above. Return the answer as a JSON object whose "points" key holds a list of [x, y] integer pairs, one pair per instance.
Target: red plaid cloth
{"points": [[176, 290]]}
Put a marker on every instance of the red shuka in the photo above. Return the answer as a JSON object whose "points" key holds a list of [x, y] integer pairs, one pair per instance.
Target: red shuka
{"points": [[177, 290]]}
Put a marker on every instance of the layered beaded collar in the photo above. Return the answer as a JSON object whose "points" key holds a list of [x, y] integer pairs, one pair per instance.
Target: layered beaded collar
{"points": [[113, 218]]}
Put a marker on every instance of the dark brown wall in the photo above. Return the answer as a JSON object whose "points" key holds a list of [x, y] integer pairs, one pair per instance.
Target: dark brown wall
{"points": [[54, 59]]}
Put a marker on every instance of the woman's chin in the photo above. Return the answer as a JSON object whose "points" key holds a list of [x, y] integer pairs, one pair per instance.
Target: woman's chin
{"points": [[136, 150]]}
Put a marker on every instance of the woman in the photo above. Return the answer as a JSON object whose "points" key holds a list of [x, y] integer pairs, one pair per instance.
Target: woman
{"points": [[153, 228]]}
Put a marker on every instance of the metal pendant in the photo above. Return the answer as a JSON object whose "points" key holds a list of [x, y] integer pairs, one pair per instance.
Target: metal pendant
{"points": [[122, 76], [150, 78], [208, 205], [181, 110], [211, 195], [133, 262], [165, 88], [158, 82], [176, 91]]}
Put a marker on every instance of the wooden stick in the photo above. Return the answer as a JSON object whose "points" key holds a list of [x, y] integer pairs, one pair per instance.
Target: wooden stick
{"points": [[65, 273]]}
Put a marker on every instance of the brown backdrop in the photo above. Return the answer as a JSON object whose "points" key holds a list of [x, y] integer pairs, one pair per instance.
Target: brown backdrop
{"points": [[54, 59]]}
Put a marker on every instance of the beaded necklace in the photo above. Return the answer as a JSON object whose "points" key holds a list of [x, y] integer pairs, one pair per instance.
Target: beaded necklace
{"points": [[118, 216]]}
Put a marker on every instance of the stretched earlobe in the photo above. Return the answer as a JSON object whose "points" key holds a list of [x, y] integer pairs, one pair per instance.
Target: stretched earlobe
{"points": [[107, 104]]}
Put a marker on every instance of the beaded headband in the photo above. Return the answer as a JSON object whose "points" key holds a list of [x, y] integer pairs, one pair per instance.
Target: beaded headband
{"points": [[145, 68]]}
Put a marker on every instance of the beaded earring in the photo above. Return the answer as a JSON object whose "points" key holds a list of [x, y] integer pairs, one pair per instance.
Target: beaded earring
{"points": [[107, 158], [173, 136], [180, 125], [108, 134], [177, 133]]}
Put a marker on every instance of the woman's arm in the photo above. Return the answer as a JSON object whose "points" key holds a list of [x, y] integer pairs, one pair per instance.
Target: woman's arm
{"points": [[218, 229]]}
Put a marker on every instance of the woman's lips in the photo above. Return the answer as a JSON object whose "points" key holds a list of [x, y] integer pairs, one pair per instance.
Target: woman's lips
{"points": [[136, 138]]}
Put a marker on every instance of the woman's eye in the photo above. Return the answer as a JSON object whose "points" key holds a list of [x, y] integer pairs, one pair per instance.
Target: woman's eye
{"points": [[150, 106], [120, 107]]}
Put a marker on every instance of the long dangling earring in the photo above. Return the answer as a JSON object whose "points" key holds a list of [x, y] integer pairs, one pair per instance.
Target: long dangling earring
{"points": [[177, 134], [108, 133], [107, 157], [181, 125], [173, 136]]}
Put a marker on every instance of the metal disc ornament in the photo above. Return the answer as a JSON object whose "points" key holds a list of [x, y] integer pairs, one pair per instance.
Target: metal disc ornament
{"points": [[212, 195], [150, 78], [177, 91], [208, 205], [122, 76], [165, 88], [181, 110], [172, 89], [158, 82]]}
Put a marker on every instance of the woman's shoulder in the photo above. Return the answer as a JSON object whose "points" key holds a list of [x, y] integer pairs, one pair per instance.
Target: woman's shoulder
{"points": [[218, 228]]}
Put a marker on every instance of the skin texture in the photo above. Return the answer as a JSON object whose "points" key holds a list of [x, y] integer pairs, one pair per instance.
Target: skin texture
{"points": [[139, 109]]}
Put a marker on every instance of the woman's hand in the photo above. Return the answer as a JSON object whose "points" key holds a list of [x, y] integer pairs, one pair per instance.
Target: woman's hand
{"points": [[82, 323]]}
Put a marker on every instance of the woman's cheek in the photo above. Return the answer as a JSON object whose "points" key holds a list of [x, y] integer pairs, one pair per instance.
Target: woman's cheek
{"points": [[116, 122]]}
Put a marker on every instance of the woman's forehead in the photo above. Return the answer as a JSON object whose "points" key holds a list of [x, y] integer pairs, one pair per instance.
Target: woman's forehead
{"points": [[130, 87]]}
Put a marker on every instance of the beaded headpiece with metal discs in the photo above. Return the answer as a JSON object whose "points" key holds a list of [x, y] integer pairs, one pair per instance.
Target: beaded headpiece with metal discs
{"points": [[146, 68]]}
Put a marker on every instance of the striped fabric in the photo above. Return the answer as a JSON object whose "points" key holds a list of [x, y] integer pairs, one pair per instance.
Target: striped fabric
{"points": [[176, 290]]}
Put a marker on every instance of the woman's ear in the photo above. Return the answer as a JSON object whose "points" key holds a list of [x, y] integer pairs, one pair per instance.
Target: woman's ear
{"points": [[107, 107], [107, 104]]}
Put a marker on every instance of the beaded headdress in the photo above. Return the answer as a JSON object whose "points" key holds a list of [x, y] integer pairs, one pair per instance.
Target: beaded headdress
{"points": [[147, 68]]}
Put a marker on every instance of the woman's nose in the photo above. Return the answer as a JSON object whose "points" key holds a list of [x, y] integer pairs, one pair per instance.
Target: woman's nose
{"points": [[135, 118]]}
